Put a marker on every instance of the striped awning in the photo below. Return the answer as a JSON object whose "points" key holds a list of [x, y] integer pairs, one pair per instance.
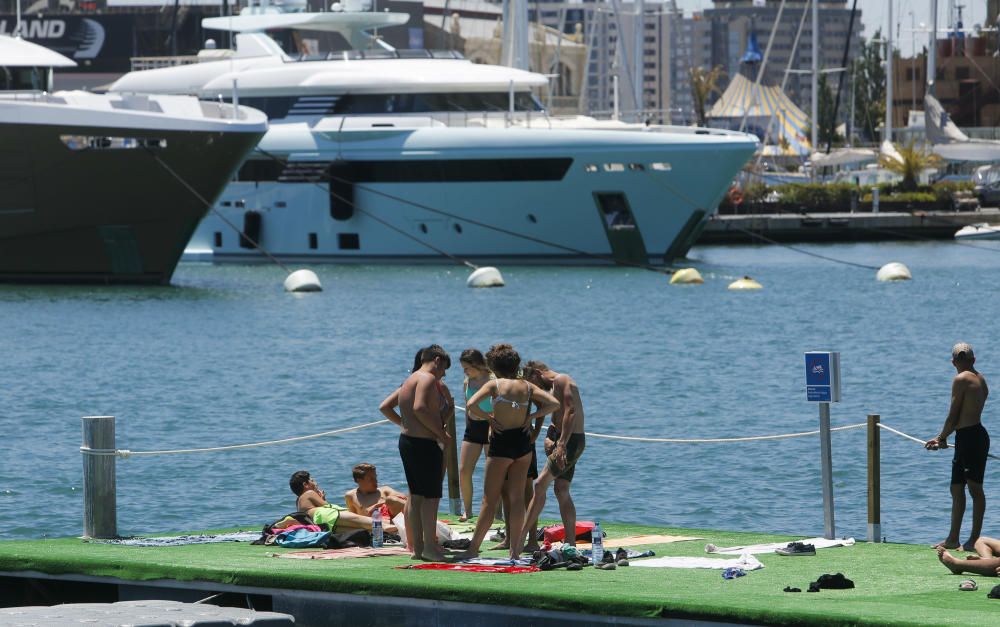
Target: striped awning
{"points": [[764, 106]]}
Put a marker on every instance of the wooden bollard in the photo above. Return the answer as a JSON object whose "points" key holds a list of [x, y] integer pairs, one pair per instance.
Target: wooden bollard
{"points": [[874, 480], [451, 459], [100, 514]]}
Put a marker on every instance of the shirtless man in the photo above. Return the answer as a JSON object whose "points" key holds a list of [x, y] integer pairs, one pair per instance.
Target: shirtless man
{"points": [[369, 495], [564, 444], [421, 447], [972, 445], [312, 500]]}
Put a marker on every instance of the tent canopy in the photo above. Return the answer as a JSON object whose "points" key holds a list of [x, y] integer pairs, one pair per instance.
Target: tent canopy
{"points": [[759, 104]]}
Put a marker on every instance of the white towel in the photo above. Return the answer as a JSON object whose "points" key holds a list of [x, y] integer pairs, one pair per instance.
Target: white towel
{"points": [[819, 543], [746, 562]]}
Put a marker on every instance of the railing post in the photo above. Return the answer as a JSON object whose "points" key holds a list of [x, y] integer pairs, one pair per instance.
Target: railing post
{"points": [[874, 474], [100, 514]]}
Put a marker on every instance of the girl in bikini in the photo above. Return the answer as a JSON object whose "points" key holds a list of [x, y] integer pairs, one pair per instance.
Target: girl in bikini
{"points": [[477, 431], [510, 443]]}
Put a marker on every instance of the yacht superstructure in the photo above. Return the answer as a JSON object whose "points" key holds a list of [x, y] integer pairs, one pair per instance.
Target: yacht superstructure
{"points": [[105, 189], [383, 154]]}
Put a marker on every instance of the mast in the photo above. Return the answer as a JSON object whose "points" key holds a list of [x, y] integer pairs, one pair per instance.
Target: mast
{"points": [[932, 50], [889, 79], [637, 56], [815, 74]]}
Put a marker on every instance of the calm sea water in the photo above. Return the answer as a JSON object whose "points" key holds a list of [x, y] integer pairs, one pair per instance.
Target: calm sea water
{"points": [[224, 356]]}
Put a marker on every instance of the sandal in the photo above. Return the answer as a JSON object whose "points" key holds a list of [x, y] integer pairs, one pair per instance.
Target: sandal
{"points": [[621, 557], [968, 585]]}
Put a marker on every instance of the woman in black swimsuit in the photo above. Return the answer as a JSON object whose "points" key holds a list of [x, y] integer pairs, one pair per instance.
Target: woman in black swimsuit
{"points": [[510, 443]]}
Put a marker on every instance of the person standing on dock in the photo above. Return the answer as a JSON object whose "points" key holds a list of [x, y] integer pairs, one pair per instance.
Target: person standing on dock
{"points": [[972, 445], [421, 447], [564, 444]]}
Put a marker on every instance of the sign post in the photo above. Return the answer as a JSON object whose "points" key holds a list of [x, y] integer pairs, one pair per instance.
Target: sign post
{"points": [[823, 387]]}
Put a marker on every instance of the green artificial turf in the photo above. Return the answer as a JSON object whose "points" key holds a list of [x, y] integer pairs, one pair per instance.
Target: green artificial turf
{"points": [[896, 584]]}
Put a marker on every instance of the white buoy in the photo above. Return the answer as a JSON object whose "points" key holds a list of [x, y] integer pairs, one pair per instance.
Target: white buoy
{"points": [[746, 283], [686, 276], [487, 276], [303, 281], [894, 271]]}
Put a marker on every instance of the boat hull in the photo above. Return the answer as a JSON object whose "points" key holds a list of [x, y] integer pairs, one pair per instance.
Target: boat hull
{"points": [[106, 215], [510, 195]]}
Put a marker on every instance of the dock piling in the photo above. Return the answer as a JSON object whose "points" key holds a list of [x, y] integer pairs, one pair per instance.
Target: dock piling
{"points": [[874, 480], [451, 457], [100, 514]]}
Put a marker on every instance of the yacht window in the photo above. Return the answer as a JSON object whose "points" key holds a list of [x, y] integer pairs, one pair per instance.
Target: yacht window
{"points": [[349, 241], [313, 241], [616, 211], [661, 166], [614, 167], [24, 78]]}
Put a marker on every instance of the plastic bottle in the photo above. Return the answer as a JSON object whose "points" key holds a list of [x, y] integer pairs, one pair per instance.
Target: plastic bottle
{"points": [[377, 528], [597, 543]]}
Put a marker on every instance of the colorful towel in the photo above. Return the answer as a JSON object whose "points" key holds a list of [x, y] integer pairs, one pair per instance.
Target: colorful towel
{"points": [[496, 561], [744, 562], [640, 540], [473, 568], [819, 543], [334, 554]]}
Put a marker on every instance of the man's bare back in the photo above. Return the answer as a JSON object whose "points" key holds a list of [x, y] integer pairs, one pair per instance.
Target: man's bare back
{"points": [[564, 387], [969, 391], [418, 393]]}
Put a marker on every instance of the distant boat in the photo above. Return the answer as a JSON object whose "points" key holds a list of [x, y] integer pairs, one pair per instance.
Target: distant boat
{"points": [[980, 230]]}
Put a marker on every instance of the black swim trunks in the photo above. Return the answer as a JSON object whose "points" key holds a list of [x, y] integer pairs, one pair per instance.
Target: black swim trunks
{"points": [[512, 443], [476, 431], [574, 449], [423, 464], [972, 445]]}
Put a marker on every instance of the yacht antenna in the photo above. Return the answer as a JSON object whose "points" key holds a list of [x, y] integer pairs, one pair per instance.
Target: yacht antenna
{"points": [[17, 20], [889, 79], [932, 50], [637, 57]]}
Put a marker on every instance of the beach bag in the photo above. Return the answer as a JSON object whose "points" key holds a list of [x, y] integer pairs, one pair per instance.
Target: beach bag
{"points": [[354, 537], [302, 538], [557, 533]]}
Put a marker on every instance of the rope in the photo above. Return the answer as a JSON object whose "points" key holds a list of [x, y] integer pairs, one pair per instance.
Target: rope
{"points": [[915, 439], [753, 438], [125, 453]]}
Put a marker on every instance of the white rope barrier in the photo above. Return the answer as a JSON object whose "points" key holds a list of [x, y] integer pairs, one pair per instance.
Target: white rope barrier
{"points": [[915, 439], [753, 438], [125, 453]]}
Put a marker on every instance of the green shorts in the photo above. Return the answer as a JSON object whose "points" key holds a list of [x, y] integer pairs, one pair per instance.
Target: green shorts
{"points": [[327, 515], [574, 449]]}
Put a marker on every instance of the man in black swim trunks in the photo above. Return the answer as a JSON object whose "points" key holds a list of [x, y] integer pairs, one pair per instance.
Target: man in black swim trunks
{"points": [[972, 445], [421, 448], [564, 444]]}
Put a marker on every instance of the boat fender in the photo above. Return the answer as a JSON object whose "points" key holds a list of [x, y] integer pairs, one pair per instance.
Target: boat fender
{"points": [[303, 281], [894, 271], [746, 283], [487, 276], [686, 276]]}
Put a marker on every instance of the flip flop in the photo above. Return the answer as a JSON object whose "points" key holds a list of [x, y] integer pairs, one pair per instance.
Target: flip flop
{"points": [[968, 585]]}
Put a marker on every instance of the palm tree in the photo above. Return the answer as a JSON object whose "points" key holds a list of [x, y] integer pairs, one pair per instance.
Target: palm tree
{"points": [[703, 85], [911, 163]]}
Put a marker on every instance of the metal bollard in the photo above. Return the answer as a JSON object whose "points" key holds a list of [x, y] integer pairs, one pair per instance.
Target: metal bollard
{"points": [[100, 514]]}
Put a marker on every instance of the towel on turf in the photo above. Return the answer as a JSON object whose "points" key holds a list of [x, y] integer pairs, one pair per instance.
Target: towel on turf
{"points": [[819, 543], [744, 562]]}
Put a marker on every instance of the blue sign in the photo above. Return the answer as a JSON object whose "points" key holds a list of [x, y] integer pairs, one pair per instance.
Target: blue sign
{"points": [[823, 377]]}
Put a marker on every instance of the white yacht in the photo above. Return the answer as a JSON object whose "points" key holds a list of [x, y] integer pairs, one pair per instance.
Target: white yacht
{"points": [[105, 189], [407, 155]]}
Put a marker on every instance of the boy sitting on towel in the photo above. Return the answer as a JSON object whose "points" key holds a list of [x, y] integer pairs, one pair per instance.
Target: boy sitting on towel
{"points": [[369, 495], [312, 500], [985, 562]]}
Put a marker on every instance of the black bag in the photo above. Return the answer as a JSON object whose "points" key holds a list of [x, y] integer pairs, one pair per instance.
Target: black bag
{"points": [[354, 537]]}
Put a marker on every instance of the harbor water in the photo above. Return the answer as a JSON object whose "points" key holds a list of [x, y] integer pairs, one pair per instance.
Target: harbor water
{"points": [[224, 356]]}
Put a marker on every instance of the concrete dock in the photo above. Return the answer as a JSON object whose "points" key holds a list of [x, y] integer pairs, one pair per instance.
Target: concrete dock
{"points": [[841, 227]]}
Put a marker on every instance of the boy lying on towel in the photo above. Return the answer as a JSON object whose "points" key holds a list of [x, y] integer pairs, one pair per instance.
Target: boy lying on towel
{"points": [[312, 500]]}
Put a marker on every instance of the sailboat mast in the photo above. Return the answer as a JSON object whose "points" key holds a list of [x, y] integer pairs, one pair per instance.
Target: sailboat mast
{"points": [[889, 79], [637, 57], [815, 74], [932, 50]]}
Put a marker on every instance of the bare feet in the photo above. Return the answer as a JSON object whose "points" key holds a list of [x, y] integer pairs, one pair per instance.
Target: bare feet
{"points": [[954, 565], [432, 556], [947, 543], [503, 546], [467, 554], [464, 518], [531, 548], [970, 545]]}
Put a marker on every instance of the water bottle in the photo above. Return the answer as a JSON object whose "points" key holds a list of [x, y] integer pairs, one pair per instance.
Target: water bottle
{"points": [[377, 528], [597, 543]]}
